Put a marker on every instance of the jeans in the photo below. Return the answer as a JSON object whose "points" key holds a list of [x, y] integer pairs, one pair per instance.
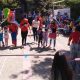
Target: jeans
{"points": [[74, 51]]}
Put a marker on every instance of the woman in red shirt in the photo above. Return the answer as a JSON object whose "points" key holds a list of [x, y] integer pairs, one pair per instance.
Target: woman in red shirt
{"points": [[74, 41], [24, 25]]}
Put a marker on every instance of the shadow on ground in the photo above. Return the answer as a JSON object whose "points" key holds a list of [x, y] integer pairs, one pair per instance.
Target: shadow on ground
{"points": [[11, 48], [4, 48], [17, 47], [43, 68], [32, 43], [15, 76], [40, 50]]}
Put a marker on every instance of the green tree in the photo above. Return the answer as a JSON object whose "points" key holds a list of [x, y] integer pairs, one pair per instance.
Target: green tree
{"points": [[75, 6]]}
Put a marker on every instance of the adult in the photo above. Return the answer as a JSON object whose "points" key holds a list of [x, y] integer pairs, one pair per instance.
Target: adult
{"points": [[52, 34], [33, 15], [46, 22], [24, 25], [51, 17], [58, 16], [71, 26], [29, 16], [13, 28], [74, 40], [60, 68], [78, 26], [35, 26], [41, 20]]}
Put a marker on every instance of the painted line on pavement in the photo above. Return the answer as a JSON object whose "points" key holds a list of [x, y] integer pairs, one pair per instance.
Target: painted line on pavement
{"points": [[28, 55]]}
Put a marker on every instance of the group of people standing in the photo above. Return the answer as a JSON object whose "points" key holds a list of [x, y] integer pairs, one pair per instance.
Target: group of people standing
{"points": [[4, 34], [41, 31], [43, 28]]}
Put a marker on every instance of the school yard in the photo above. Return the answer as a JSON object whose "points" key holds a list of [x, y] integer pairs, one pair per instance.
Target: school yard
{"points": [[22, 67]]}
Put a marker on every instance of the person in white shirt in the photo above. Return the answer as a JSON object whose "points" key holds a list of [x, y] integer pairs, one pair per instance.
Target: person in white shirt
{"points": [[35, 26]]}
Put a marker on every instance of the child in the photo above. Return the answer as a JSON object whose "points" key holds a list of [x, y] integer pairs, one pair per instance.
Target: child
{"points": [[45, 37], [52, 34], [24, 25], [40, 37], [6, 36], [1, 37]]}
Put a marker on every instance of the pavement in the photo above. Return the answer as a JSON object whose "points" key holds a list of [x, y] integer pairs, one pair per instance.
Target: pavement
{"points": [[22, 67]]}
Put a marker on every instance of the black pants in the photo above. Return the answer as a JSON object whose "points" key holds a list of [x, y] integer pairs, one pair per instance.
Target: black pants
{"points": [[24, 37], [39, 41], [35, 33]]}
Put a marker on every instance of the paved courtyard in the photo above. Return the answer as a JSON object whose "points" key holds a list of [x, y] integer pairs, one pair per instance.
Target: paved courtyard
{"points": [[28, 67]]}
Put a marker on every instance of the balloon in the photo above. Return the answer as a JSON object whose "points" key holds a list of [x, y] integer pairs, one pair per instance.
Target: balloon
{"points": [[6, 12]]}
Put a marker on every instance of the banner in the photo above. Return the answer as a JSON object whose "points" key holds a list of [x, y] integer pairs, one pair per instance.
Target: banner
{"points": [[62, 11]]}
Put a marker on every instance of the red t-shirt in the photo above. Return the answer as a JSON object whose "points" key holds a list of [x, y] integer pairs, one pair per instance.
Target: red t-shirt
{"points": [[13, 27], [24, 25], [74, 37]]}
